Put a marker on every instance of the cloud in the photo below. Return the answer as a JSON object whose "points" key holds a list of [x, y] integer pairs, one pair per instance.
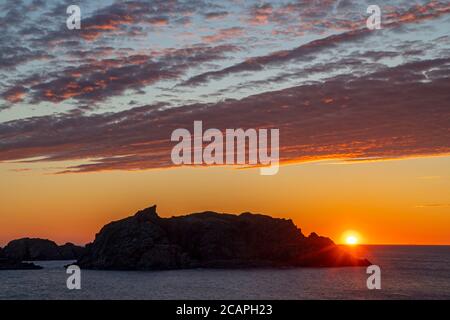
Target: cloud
{"points": [[357, 31], [11, 56], [429, 177], [159, 21], [224, 34], [98, 85], [216, 15], [433, 205], [98, 80], [260, 14], [119, 18], [259, 63], [14, 95], [344, 117]]}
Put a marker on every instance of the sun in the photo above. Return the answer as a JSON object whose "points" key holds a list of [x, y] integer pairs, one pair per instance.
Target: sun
{"points": [[351, 240]]}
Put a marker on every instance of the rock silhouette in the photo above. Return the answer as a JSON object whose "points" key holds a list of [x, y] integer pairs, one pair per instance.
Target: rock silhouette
{"points": [[146, 241], [11, 264], [28, 249]]}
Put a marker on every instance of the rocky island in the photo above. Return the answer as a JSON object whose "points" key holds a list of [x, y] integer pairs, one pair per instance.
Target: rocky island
{"points": [[12, 264], [34, 249], [146, 241]]}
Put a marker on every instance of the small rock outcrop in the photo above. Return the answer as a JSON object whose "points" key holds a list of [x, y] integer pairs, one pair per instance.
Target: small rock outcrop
{"points": [[146, 241], [69, 251], [28, 249], [11, 264]]}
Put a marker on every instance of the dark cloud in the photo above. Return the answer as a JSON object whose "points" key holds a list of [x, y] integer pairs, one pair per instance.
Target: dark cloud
{"points": [[120, 17], [216, 15], [100, 79], [11, 56], [279, 57], [394, 20], [15, 94], [395, 112]]}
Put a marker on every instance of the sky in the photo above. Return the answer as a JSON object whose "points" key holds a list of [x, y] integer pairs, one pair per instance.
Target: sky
{"points": [[364, 115]]}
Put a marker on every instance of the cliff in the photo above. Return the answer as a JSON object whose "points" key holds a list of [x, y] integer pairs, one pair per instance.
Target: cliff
{"points": [[210, 240]]}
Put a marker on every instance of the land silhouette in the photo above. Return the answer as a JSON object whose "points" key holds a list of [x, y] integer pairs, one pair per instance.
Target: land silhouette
{"points": [[146, 241]]}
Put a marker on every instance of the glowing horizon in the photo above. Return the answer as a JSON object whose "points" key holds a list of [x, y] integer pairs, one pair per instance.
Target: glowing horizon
{"points": [[350, 197], [363, 115]]}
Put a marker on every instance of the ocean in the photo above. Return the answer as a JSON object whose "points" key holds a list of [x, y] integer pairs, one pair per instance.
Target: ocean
{"points": [[407, 272]]}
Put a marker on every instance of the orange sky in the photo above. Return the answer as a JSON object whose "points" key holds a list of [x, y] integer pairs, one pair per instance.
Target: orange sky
{"points": [[396, 202]]}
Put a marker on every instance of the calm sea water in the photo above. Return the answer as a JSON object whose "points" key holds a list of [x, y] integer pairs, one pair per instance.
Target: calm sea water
{"points": [[408, 272]]}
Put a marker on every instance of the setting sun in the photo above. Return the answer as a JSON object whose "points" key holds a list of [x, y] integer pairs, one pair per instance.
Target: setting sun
{"points": [[351, 240]]}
